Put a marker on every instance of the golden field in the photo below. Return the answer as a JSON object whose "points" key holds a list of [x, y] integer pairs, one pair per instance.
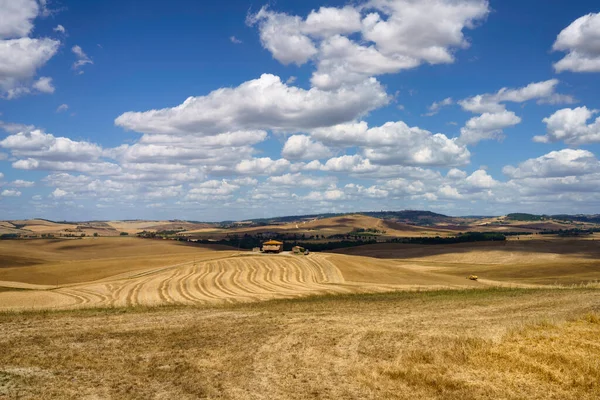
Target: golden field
{"points": [[474, 344], [129, 318]]}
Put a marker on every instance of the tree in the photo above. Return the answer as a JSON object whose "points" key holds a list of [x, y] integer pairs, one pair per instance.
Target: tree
{"points": [[124, 234], [95, 234]]}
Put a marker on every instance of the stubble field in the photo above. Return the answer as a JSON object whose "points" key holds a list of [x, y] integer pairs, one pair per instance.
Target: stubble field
{"points": [[129, 318]]}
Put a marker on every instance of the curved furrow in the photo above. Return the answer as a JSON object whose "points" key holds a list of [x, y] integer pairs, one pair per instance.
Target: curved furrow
{"points": [[247, 277], [132, 297], [261, 288], [163, 289], [266, 273], [184, 284], [101, 298], [221, 281], [208, 280], [200, 280], [241, 279], [79, 299]]}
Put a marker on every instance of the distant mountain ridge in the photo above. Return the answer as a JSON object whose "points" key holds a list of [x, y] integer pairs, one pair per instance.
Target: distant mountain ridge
{"points": [[418, 217]]}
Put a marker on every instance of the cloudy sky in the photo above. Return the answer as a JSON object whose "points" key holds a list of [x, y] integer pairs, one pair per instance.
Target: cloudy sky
{"points": [[230, 110]]}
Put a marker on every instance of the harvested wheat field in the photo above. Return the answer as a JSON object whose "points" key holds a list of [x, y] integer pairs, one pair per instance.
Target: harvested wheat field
{"points": [[532, 262], [127, 318], [475, 344], [122, 272], [220, 277]]}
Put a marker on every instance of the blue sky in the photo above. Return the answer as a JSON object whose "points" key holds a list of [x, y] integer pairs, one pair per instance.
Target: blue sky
{"points": [[462, 107]]}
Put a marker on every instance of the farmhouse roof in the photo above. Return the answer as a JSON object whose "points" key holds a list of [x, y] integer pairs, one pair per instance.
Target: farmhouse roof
{"points": [[273, 243]]}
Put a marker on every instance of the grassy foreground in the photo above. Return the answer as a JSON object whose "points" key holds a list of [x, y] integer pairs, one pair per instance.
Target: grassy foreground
{"points": [[472, 344]]}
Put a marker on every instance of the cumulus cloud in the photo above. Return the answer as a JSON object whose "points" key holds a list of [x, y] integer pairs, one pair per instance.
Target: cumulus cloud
{"points": [[262, 166], [44, 85], [544, 92], [58, 194], [20, 60], [581, 41], [264, 103], [394, 35], [10, 193], [300, 180], [41, 145], [17, 17], [456, 174], [60, 29], [570, 126], [82, 59], [436, 106], [395, 143], [62, 108], [333, 194], [37, 150], [563, 163], [487, 126], [21, 56], [22, 184], [302, 147], [481, 179]]}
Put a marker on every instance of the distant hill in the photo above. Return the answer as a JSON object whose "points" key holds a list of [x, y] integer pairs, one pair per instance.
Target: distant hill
{"points": [[525, 217]]}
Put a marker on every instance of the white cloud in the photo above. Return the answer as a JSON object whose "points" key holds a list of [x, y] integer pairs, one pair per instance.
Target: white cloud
{"points": [[62, 108], [449, 192], [329, 21], [21, 56], [301, 147], [481, 180], [58, 194], [60, 29], [395, 143], [235, 40], [570, 125], [212, 190], [456, 174], [44, 85], [10, 193], [22, 184], [262, 166], [436, 106], [403, 33], [19, 61], [544, 92], [82, 58], [581, 40], [45, 146], [327, 195], [556, 164], [487, 126], [299, 180], [282, 35], [264, 103], [17, 17]]}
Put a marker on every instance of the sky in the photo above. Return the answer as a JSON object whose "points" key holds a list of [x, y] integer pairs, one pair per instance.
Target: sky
{"points": [[235, 110]]}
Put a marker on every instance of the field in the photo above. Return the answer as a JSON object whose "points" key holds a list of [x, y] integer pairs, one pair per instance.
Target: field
{"points": [[133, 318], [476, 344]]}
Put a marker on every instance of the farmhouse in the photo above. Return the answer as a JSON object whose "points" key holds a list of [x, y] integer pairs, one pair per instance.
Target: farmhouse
{"points": [[272, 246]]}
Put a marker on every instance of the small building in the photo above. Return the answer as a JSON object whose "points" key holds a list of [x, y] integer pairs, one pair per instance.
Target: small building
{"points": [[272, 246], [298, 250]]}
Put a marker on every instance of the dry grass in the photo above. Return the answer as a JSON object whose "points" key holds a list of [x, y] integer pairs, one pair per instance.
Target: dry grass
{"points": [[482, 344], [535, 262], [67, 261]]}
